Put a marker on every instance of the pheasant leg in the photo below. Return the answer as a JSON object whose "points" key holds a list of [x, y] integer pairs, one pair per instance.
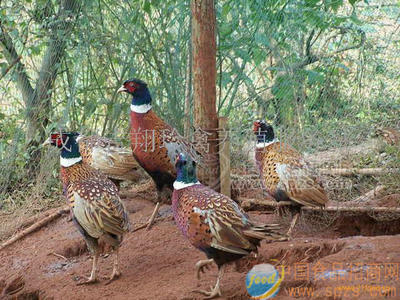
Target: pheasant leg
{"points": [[216, 291], [201, 264], [164, 196], [293, 224], [115, 272], [153, 216], [93, 275]]}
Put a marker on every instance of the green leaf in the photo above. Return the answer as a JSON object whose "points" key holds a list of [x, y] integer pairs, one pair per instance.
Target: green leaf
{"points": [[335, 4], [147, 7], [344, 67], [225, 30], [311, 3], [314, 77], [225, 79], [258, 56], [261, 39], [35, 50], [225, 10], [283, 88], [355, 19], [243, 54]]}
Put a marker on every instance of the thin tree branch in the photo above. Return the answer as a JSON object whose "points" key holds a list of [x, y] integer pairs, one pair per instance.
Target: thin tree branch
{"points": [[4, 73], [11, 55]]}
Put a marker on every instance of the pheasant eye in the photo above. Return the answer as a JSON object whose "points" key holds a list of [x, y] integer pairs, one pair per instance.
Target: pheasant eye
{"points": [[59, 142], [131, 87]]}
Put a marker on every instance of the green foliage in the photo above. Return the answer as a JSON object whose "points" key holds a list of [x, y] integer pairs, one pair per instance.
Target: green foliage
{"points": [[304, 65]]}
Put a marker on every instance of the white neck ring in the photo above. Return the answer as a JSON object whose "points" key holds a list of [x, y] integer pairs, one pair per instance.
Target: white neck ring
{"points": [[264, 144], [178, 185], [140, 109], [67, 162]]}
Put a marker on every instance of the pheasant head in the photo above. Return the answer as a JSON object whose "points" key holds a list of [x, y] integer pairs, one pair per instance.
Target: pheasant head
{"points": [[263, 131], [186, 171], [141, 98], [66, 142]]}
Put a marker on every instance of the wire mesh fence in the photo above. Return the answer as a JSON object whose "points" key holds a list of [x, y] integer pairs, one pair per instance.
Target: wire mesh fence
{"points": [[324, 73]]}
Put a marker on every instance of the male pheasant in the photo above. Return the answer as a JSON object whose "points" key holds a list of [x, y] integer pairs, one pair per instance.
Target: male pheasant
{"points": [[283, 172], [214, 223], [96, 207], [107, 156], [155, 144]]}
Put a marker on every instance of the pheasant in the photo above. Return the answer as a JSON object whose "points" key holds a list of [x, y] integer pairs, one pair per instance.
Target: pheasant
{"points": [[96, 207], [214, 223], [105, 155], [155, 144], [283, 172]]}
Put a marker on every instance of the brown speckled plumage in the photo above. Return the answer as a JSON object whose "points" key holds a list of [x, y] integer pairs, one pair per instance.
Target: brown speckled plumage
{"points": [[269, 156], [215, 224], [286, 176], [104, 211], [94, 201]]}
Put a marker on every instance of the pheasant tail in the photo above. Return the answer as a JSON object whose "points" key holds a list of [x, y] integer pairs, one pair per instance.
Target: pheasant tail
{"points": [[116, 162], [269, 232]]}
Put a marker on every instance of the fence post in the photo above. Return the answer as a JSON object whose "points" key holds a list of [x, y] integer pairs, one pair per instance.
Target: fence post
{"points": [[224, 156]]}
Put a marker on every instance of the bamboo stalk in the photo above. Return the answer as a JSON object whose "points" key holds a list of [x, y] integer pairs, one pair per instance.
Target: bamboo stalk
{"points": [[355, 171], [336, 171], [224, 158], [247, 202], [353, 209]]}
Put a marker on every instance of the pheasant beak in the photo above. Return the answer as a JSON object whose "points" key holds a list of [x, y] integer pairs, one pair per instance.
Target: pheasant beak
{"points": [[47, 142], [121, 89]]}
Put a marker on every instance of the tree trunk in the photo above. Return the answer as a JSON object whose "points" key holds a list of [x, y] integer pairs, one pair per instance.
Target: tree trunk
{"points": [[38, 100], [39, 104], [188, 88], [204, 86]]}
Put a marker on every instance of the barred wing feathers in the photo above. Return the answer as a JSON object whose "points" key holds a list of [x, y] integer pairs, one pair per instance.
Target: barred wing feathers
{"points": [[102, 212], [217, 221]]}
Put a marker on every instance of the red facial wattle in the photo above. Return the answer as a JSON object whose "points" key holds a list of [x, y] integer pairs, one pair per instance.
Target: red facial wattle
{"points": [[130, 87], [256, 126], [55, 139]]}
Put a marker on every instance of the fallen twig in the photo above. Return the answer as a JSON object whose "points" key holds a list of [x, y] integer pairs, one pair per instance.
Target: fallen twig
{"points": [[35, 226], [58, 255], [249, 202], [144, 225]]}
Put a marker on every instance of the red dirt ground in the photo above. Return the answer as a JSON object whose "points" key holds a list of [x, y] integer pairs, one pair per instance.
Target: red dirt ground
{"points": [[159, 264]]}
